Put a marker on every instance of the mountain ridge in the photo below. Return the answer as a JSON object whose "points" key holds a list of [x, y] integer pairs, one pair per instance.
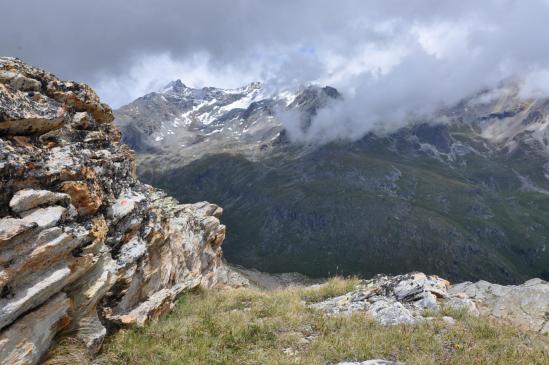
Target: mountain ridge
{"points": [[468, 186]]}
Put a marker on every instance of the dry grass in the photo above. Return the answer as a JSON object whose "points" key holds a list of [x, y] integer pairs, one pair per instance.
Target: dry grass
{"points": [[69, 351], [252, 327]]}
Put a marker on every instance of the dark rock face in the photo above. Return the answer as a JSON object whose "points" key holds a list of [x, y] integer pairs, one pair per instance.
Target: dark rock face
{"points": [[83, 244], [435, 135]]}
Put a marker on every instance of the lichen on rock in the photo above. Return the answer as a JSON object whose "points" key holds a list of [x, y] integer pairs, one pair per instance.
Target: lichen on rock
{"points": [[84, 246]]}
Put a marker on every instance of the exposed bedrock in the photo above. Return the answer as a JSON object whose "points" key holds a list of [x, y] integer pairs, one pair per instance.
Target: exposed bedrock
{"points": [[84, 246]]}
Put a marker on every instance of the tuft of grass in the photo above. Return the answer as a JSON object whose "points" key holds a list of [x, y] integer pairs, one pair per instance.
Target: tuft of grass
{"points": [[245, 326], [332, 288], [69, 351], [442, 311]]}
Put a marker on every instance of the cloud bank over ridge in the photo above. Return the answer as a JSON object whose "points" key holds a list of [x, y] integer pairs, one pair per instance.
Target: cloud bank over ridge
{"points": [[392, 60]]}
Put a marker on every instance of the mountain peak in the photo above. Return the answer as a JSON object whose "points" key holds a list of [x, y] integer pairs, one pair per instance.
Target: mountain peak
{"points": [[176, 85], [256, 85]]}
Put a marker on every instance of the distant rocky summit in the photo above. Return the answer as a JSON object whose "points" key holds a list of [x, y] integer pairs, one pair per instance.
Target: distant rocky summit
{"points": [[84, 246]]}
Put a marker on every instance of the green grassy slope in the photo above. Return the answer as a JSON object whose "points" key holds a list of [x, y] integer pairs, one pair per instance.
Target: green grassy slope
{"points": [[364, 208]]}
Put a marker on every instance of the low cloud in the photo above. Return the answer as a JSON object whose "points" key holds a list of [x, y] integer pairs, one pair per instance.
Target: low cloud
{"points": [[393, 61], [152, 73]]}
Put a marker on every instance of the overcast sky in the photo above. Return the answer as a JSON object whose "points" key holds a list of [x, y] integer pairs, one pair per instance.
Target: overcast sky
{"points": [[388, 57]]}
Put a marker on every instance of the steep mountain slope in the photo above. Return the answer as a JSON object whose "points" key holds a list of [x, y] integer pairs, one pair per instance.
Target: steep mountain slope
{"points": [[202, 121], [464, 195]]}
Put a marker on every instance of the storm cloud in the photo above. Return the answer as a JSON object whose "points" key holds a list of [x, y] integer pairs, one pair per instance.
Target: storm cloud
{"points": [[392, 60]]}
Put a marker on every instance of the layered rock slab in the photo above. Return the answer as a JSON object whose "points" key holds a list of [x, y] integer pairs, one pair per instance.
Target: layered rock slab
{"points": [[84, 246]]}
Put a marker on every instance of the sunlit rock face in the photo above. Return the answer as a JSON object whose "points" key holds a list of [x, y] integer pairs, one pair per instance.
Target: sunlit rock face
{"points": [[84, 246]]}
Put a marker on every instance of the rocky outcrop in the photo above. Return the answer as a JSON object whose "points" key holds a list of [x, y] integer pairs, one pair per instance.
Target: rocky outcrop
{"points": [[525, 306], [403, 299], [84, 246], [391, 300]]}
